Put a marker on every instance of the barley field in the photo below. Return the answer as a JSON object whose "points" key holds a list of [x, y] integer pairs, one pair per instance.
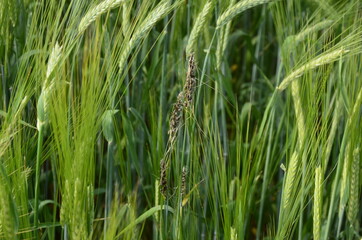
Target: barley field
{"points": [[180, 119]]}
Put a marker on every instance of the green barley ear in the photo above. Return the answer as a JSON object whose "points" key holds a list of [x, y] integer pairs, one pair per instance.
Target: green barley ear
{"points": [[161, 10], [353, 201], [157, 198], [198, 27], [312, 29], [47, 88], [233, 188], [336, 116], [52, 62], [78, 216], [293, 40], [6, 216], [97, 11], [90, 208], [64, 210], [233, 234], [126, 23], [222, 41], [8, 211], [299, 114], [345, 180], [12, 10], [289, 182], [236, 9], [323, 59], [317, 208]]}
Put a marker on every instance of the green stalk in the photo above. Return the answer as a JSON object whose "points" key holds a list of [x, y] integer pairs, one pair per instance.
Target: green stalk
{"points": [[265, 176], [109, 180], [37, 176], [335, 184], [108, 132]]}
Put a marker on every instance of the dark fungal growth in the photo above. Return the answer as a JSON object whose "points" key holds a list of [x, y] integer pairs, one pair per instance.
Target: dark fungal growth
{"points": [[190, 84]]}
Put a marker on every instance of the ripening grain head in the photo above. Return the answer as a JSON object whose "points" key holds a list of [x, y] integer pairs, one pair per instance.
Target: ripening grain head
{"points": [[236, 9], [95, 12], [198, 27]]}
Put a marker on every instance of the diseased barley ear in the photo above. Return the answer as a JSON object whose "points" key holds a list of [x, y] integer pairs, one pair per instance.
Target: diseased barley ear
{"points": [[175, 118], [190, 83], [163, 178]]}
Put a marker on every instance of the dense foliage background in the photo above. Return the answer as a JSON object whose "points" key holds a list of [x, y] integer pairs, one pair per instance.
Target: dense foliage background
{"points": [[180, 119]]}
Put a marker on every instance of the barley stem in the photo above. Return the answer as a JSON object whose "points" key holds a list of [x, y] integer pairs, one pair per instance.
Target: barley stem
{"points": [[37, 176]]}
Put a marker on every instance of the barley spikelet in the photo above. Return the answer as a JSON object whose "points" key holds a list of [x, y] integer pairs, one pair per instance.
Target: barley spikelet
{"points": [[126, 13], [330, 140], [289, 183], [355, 109], [175, 119], [232, 187], [141, 31], [222, 42], [298, 112], [13, 11], [77, 227], [53, 60], [345, 179], [314, 63], [190, 83], [2, 10], [48, 87], [6, 215], [95, 12], [221, 45], [314, 28], [163, 178], [353, 200], [64, 210], [157, 198], [198, 27], [236, 9], [183, 181], [10, 127], [317, 208], [90, 207], [233, 234]]}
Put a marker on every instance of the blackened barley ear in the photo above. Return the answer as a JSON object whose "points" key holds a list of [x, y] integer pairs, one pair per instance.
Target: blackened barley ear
{"points": [[175, 118], [190, 84], [163, 178]]}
